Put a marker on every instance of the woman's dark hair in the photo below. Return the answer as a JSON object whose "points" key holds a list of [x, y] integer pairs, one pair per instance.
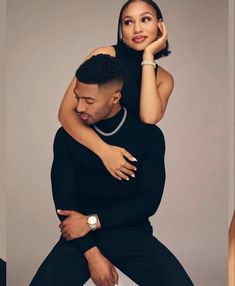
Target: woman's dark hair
{"points": [[163, 53]]}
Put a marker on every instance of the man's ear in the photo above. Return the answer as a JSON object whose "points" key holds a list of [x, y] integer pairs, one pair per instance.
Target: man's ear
{"points": [[116, 97]]}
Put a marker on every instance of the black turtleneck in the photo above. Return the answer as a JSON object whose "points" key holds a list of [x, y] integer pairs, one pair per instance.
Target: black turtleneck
{"points": [[81, 182], [131, 59]]}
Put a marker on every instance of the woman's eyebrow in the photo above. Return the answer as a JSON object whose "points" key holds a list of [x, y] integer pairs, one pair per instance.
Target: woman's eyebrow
{"points": [[142, 14]]}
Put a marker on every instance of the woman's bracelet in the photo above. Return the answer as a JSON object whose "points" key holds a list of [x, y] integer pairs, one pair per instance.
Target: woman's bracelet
{"points": [[151, 63]]}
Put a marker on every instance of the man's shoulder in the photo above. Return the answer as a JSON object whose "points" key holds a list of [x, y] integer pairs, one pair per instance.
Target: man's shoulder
{"points": [[145, 130], [62, 136]]}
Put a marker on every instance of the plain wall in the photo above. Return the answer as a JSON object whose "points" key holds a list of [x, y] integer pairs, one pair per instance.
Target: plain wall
{"points": [[231, 109], [2, 128], [47, 40]]}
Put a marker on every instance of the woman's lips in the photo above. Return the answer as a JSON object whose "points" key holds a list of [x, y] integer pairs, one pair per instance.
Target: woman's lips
{"points": [[139, 39]]}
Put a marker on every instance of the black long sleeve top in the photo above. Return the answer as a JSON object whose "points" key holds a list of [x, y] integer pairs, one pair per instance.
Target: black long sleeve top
{"points": [[81, 182]]}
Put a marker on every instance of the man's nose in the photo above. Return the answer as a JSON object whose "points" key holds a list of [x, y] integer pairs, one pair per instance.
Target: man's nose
{"points": [[81, 106]]}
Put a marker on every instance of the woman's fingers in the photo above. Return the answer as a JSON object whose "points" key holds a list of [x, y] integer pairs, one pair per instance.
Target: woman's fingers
{"points": [[122, 175], [128, 155], [125, 173]]}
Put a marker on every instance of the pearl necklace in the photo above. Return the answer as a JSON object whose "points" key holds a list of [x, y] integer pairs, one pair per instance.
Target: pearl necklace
{"points": [[116, 129]]}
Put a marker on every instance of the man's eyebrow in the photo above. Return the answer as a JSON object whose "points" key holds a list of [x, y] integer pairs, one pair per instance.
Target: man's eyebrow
{"points": [[84, 97]]}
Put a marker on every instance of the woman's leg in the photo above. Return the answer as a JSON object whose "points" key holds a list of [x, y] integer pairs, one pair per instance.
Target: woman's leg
{"points": [[65, 265]]}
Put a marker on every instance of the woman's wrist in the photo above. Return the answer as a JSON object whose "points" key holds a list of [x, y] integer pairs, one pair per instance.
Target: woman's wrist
{"points": [[101, 148], [147, 56]]}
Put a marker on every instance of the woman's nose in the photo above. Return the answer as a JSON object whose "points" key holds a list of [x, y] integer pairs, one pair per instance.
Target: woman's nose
{"points": [[137, 27]]}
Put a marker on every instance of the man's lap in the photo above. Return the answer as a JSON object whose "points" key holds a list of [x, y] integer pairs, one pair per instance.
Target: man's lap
{"points": [[135, 251]]}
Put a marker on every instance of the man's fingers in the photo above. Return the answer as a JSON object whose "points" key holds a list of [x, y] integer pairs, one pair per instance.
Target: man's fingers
{"points": [[65, 212], [115, 275]]}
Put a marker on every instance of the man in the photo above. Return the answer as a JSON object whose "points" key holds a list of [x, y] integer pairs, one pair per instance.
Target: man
{"points": [[105, 222]]}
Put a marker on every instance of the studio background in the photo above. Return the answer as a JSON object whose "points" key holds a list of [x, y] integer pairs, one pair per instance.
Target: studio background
{"points": [[47, 40], [2, 128]]}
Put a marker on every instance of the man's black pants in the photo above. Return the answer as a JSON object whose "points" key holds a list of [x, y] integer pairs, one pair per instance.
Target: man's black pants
{"points": [[134, 250]]}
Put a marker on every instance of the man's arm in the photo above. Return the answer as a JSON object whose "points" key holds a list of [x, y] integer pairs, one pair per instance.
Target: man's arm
{"points": [[151, 180], [63, 186]]}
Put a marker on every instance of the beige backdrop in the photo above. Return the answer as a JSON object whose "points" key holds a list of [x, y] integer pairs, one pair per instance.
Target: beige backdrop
{"points": [[2, 128], [47, 40], [231, 109]]}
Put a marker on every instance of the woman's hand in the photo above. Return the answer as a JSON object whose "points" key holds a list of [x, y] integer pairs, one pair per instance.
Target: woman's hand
{"points": [[114, 159], [157, 45]]}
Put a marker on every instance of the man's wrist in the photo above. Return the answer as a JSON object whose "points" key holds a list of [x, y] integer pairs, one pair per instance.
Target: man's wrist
{"points": [[97, 223], [92, 253]]}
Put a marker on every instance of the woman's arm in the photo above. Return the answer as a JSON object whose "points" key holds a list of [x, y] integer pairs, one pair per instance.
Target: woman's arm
{"points": [[155, 88], [113, 157]]}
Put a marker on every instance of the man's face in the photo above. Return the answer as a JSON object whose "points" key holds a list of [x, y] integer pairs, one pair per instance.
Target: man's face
{"points": [[94, 103]]}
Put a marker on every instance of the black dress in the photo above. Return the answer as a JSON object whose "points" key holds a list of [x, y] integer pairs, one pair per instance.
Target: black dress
{"points": [[131, 60]]}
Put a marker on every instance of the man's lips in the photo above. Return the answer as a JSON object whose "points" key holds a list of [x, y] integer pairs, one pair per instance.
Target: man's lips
{"points": [[83, 116], [139, 39]]}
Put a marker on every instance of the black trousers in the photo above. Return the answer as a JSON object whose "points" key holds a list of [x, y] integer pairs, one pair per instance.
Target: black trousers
{"points": [[134, 250]]}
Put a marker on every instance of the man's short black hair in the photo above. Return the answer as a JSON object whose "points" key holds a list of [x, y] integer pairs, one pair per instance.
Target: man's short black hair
{"points": [[101, 69]]}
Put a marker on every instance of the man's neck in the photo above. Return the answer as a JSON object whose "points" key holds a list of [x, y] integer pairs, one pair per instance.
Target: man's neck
{"points": [[114, 111]]}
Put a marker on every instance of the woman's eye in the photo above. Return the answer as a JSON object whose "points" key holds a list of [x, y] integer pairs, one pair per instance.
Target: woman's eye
{"points": [[146, 19], [127, 22]]}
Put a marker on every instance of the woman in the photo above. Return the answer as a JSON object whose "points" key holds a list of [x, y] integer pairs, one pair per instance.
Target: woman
{"points": [[142, 38]]}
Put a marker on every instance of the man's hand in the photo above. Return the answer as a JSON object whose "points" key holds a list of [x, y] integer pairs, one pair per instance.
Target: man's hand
{"points": [[102, 271], [74, 226]]}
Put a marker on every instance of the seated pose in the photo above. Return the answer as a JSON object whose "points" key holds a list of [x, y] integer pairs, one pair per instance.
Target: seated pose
{"points": [[142, 40], [104, 221]]}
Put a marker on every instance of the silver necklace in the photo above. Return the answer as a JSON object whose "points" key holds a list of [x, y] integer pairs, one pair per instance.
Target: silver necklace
{"points": [[116, 129]]}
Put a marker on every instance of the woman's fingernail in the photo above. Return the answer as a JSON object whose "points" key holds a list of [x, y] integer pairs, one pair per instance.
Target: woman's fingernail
{"points": [[134, 159], [58, 211], [133, 175], [127, 179]]}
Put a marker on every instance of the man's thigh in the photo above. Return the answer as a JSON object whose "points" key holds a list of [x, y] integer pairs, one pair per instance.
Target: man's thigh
{"points": [[65, 265], [144, 259]]}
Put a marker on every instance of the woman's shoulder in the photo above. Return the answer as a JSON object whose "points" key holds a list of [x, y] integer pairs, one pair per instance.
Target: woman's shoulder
{"points": [[164, 76], [108, 50]]}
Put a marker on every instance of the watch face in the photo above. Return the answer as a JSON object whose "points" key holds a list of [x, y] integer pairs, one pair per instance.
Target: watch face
{"points": [[92, 220]]}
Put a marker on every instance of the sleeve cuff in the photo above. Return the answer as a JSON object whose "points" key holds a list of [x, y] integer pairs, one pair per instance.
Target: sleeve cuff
{"points": [[84, 243]]}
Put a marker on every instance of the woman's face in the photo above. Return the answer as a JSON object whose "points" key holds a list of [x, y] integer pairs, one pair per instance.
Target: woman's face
{"points": [[139, 25]]}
